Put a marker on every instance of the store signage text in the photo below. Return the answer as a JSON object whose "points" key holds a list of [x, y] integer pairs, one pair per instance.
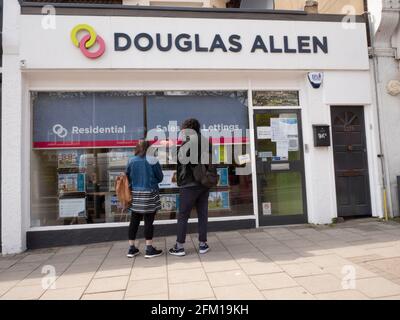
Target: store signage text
{"points": [[98, 130], [188, 43]]}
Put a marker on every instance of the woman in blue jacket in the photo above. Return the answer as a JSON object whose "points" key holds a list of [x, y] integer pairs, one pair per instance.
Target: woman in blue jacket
{"points": [[144, 174]]}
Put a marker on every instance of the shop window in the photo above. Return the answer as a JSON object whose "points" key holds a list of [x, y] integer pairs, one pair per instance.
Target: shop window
{"points": [[275, 98], [83, 140]]}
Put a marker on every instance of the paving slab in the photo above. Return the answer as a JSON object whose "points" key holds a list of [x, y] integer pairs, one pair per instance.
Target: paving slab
{"points": [[238, 292], [146, 287], [107, 284], [294, 293], [190, 290], [377, 287], [273, 281], [227, 278], [342, 295], [186, 275], [320, 283], [115, 295], [63, 294]]}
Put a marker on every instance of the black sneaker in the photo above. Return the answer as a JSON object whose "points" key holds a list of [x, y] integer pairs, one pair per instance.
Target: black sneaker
{"points": [[177, 252], [204, 248], [153, 252], [133, 251]]}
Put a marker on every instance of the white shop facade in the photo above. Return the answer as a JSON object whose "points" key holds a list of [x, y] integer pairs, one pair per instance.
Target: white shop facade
{"points": [[78, 98]]}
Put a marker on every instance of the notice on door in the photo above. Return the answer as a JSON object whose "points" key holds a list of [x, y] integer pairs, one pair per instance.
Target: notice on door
{"points": [[264, 133], [278, 132], [266, 208], [282, 149]]}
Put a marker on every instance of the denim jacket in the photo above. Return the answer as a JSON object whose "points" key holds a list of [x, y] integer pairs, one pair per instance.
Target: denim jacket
{"points": [[144, 173]]}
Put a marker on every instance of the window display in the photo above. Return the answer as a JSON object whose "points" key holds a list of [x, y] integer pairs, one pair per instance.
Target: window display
{"points": [[82, 142]]}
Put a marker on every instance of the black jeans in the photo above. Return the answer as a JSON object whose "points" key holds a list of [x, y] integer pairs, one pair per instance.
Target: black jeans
{"points": [[190, 197], [148, 225]]}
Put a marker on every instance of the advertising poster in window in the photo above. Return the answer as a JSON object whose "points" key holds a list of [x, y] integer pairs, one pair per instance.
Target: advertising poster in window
{"points": [[119, 158], [72, 208], [223, 177], [67, 158], [169, 180], [169, 202], [112, 176], [218, 200], [71, 182]]}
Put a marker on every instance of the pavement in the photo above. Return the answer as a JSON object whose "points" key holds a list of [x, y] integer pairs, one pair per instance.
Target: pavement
{"points": [[358, 259]]}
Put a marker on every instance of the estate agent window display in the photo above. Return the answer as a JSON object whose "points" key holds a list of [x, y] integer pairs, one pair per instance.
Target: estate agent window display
{"points": [[82, 141]]}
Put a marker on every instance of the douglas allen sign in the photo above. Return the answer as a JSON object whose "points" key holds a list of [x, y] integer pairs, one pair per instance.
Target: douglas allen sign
{"points": [[185, 43], [85, 42]]}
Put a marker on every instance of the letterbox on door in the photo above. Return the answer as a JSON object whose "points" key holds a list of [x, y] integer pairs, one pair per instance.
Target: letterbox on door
{"points": [[322, 136]]}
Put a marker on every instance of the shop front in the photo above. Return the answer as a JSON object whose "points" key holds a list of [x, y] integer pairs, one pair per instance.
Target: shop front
{"points": [[97, 84]]}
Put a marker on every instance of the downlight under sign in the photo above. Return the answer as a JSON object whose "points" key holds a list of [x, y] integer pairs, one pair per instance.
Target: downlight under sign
{"points": [[185, 43]]}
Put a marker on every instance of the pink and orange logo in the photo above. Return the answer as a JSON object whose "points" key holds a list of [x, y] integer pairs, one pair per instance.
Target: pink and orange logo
{"points": [[88, 41]]}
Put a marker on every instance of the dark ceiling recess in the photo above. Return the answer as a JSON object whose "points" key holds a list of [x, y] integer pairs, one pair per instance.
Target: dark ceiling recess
{"points": [[233, 4]]}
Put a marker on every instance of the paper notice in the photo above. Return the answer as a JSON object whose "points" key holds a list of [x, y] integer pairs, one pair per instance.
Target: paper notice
{"points": [[292, 127], [266, 208], [282, 149], [278, 131], [266, 154], [264, 133], [293, 144], [283, 128], [243, 159]]}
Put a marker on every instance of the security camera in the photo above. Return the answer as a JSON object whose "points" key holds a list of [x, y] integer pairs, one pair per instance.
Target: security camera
{"points": [[22, 64]]}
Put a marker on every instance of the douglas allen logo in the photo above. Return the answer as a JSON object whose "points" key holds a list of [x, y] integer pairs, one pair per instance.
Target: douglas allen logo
{"points": [[88, 41], [60, 131]]}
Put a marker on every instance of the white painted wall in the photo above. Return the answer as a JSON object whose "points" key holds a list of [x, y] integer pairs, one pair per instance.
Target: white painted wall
{"points": [[386, 48], [13, 178]]}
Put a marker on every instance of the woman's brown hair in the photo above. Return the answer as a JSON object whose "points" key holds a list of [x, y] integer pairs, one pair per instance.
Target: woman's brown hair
{"points": [[142, 147]]}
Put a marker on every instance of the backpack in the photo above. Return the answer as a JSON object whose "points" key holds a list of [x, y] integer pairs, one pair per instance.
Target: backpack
{"points": [[207, 176], [122, 190]]}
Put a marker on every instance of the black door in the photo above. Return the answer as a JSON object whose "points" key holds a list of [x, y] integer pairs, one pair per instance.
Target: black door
{"points": [[280, 167], [351, 163]]}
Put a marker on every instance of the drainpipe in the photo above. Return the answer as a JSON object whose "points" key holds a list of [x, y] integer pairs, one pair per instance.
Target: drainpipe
{"points": [[384, 168]]}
